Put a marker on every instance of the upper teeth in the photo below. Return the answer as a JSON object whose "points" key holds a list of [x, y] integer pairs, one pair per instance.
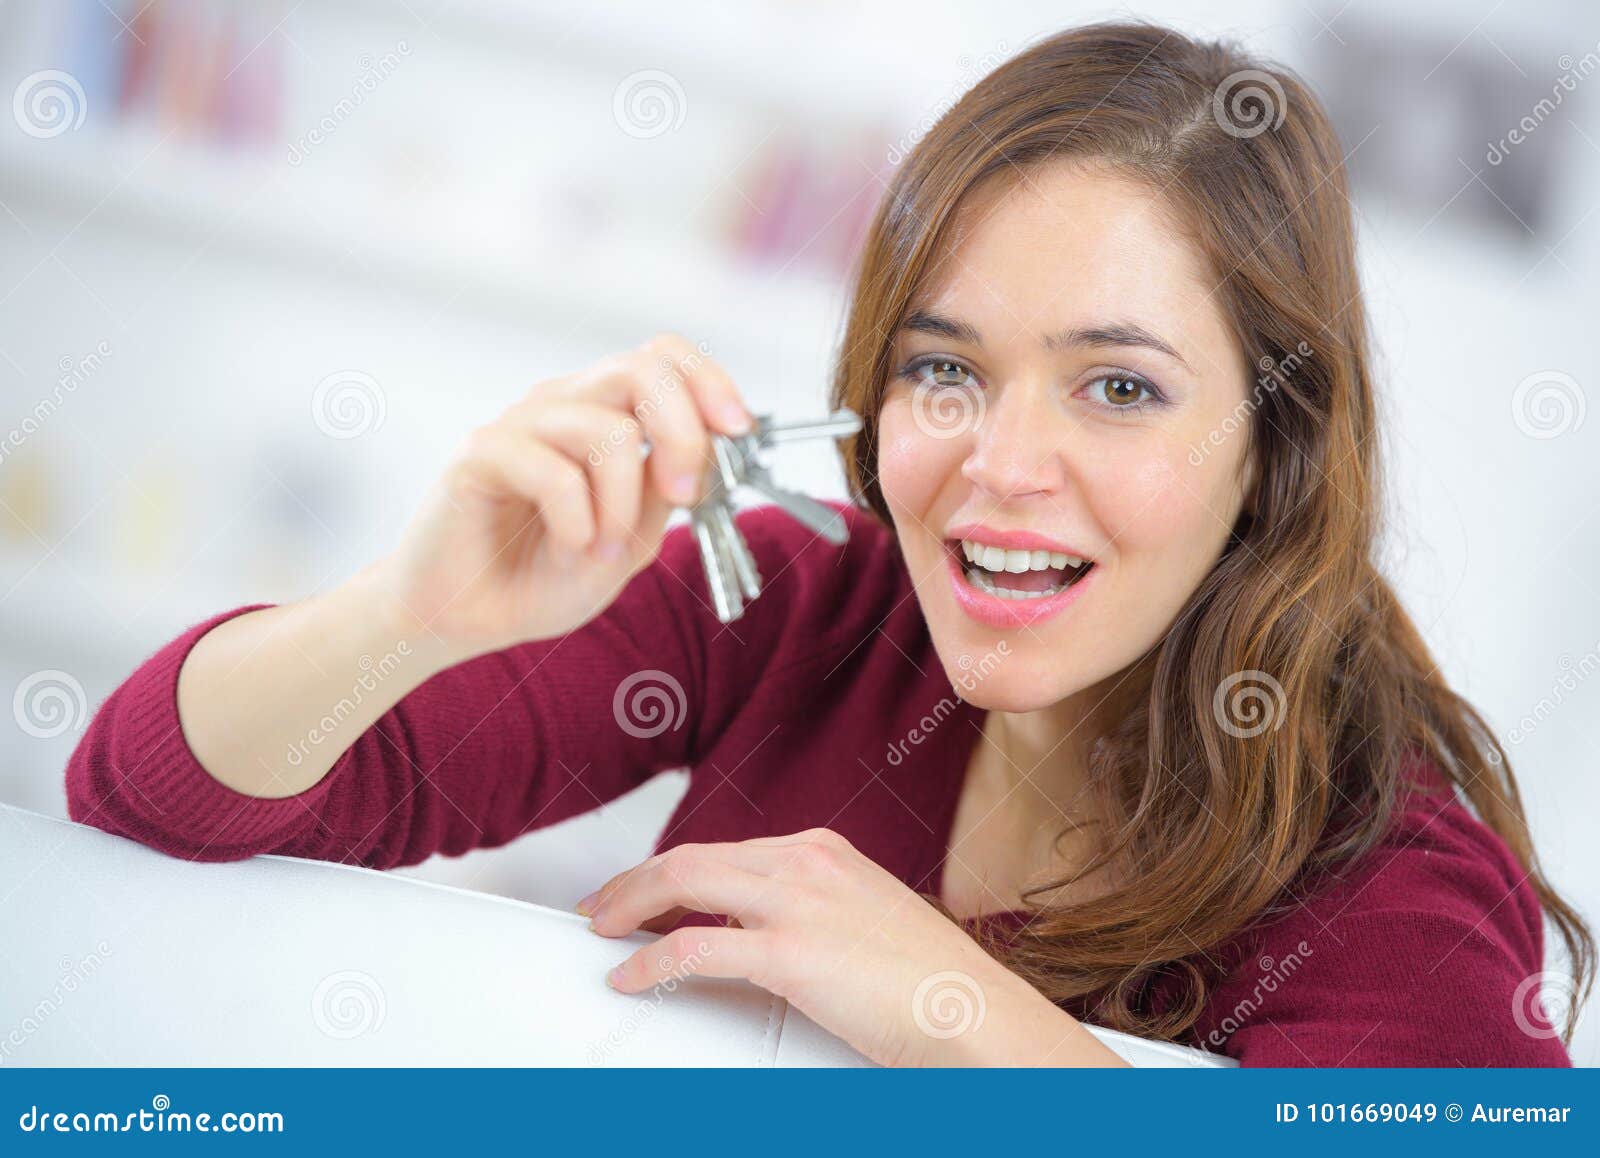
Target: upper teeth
{"points": [[1000, 559]]}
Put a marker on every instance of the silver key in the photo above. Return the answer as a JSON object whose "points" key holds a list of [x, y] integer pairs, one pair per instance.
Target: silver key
{"points": [[804, 509], [745, 570], [840, 424], [725, 599], [731, 571], [718, 557]]}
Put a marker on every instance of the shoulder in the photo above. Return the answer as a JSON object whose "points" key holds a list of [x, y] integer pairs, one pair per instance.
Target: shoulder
{"points": [[817, 598], [1428, 950]]}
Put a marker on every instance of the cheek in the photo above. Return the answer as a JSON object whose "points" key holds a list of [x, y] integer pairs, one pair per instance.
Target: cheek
{"points": [[911, 466], [1155, 500]]}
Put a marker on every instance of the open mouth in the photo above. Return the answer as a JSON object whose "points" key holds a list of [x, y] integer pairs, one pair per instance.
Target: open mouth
{"points": [[1017, 575]]}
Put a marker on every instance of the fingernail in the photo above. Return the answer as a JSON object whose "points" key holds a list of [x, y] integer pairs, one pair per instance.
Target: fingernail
{"points": [[736, 419], [586, 906], [610, 549], [614, 976], [685, 487]]}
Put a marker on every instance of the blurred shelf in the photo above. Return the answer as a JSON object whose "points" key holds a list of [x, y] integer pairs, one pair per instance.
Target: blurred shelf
{"points": [[325, 227], [71, 614]]}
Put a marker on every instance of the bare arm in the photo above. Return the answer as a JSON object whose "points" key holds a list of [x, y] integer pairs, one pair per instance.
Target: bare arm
{"points": [[541, 519], [270, 699]]}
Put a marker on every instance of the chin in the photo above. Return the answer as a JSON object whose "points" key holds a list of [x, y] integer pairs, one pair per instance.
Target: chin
{"points": [[996, 677]]}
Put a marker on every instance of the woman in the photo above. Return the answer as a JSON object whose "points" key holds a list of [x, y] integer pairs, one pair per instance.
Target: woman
{"points": [[1103, 713]]}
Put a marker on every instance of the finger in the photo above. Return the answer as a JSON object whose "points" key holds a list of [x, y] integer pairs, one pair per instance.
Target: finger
{"points": [[645, 383], [500, 462], [755, 856], [706, 952], [826, 837], [606, 445], [699, 883], [720, 404]]}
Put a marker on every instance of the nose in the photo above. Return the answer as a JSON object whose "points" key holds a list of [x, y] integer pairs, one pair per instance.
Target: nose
{"points": [[1018, 444]]}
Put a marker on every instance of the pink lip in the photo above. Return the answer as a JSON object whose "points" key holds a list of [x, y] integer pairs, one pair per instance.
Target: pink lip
{"points": [[996, 612], [1013, 540]]}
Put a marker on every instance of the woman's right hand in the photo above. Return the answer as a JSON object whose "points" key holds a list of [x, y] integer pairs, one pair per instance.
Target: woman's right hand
{"points": [[545, 514]]}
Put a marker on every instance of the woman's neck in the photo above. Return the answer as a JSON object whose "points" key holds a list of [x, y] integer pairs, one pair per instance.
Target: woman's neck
{"points": [[1032, 775]]}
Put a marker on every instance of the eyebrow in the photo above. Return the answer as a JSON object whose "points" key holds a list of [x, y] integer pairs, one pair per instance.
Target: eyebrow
{"points": [[1098, 334]]}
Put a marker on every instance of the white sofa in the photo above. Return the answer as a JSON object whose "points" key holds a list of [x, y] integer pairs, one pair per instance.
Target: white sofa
{"points": [[114, 954]]}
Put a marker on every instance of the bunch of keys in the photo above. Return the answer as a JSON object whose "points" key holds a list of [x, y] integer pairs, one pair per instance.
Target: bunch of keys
{"points": [[730, 568]]}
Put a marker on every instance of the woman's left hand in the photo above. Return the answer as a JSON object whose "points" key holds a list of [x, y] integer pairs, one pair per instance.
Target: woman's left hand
{"points": [[848, 944]]}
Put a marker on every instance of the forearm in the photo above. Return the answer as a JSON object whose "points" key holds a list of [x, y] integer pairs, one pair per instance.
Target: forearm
{"points": [[1021, 1027], [269, 700]]}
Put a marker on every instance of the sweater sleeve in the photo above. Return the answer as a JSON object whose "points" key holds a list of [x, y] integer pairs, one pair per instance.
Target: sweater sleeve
{"points": [[1429, 953], [491, 748]]}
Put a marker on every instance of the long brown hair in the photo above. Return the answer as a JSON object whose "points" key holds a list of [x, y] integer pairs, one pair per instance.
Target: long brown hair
{"points": [[1212, 822]]}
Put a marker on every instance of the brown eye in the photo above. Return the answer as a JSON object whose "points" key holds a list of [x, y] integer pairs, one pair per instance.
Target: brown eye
{"points": [[940, 373], [1121, 393]]}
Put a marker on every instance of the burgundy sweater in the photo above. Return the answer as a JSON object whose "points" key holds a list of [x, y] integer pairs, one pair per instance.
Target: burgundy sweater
{"points": [[786, 720]]}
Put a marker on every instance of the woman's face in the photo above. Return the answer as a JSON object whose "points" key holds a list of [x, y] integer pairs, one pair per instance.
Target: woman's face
{"points": [[1048, 396]]}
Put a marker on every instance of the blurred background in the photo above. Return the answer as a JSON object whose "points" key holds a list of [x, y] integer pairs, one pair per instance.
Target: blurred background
{"points": [[263, 264]]}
